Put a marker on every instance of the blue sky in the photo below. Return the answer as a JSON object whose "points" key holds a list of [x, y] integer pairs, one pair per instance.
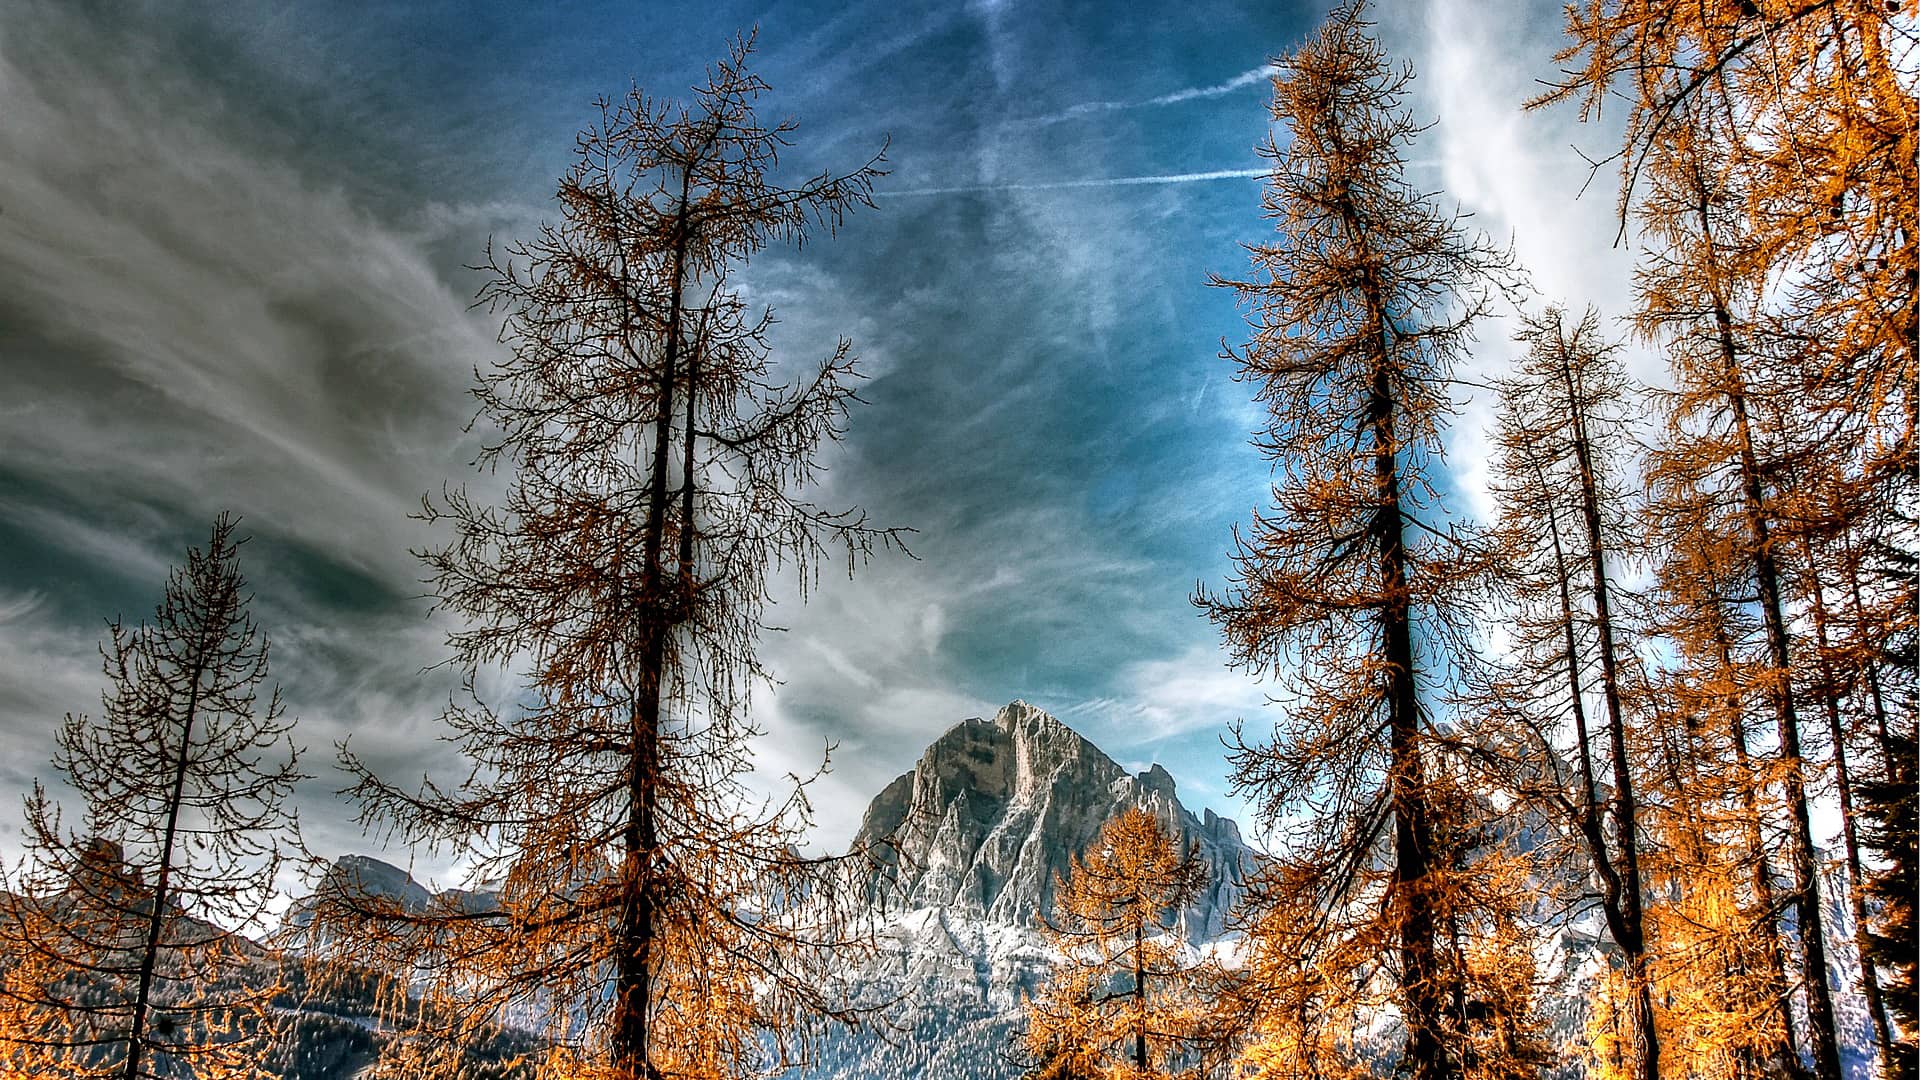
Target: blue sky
{"points": [[233, 242]]}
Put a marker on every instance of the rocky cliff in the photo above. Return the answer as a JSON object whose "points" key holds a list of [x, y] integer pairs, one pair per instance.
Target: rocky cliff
{"points": [[996, 809], [973, 840]]}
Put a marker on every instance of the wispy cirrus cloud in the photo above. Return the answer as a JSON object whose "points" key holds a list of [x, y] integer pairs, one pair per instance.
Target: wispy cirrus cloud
{"points": [[15, 606], [1516, 172], [195, 324], [229, 333]]}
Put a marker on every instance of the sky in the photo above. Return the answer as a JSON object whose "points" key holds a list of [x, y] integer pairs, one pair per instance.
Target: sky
{"points": [[234, 248]]}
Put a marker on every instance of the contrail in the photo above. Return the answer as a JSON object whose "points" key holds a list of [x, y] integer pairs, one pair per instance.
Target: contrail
{"points": [[1245, 78], [1102, 181]]}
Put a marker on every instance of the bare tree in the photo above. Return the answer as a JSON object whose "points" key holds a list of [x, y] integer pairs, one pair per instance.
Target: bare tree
{"points": [[650, 913], [1563, 428], [122, 941]]}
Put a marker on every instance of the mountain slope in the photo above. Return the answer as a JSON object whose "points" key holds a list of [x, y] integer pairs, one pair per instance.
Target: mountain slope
{"points": [[974, 838], [995, 810]]}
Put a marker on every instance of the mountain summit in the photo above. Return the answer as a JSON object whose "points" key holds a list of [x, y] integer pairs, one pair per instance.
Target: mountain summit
{"points": [[973, 838], [995, 809]]}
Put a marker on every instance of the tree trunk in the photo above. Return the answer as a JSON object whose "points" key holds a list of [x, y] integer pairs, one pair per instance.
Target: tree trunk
{"points": [[1629, 933], [1806, 889], [634, 985], [1800, 852], [1413, 829], [1836, 731], [1762, 874], [1140, 998], [215, 616]]}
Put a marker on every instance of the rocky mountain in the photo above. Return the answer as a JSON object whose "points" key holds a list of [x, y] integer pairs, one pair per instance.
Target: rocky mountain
{"points": [[995, 810], [972, 841], [363, 876]]}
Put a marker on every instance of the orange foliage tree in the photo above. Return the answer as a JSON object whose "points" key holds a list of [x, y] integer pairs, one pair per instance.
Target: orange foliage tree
{"points": [[1768, 152], [650, 914], [1355, 585], [1116, 920], [121, 944]]}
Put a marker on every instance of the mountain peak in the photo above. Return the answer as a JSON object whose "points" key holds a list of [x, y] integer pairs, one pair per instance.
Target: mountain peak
{"points": [[995, 810], [1016, 712]]}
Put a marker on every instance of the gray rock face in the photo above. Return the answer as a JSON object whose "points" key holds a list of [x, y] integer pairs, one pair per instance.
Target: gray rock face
{"points": [[993, 812], [996, 809], [355, 877], [363, 875]]}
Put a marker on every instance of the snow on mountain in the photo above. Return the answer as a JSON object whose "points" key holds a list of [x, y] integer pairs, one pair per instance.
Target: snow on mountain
{"points": [[972, 841], [995, 810]]}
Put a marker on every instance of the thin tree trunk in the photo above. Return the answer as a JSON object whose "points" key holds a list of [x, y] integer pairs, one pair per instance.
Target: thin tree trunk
{"points": [[634, 985], [1836, 731], [1696, 748], [1820, 1019], [1893, 763], [156, 919], [1413, 829], [1800, 852], [1630, 932], [1140, 998], [1762, 874]]}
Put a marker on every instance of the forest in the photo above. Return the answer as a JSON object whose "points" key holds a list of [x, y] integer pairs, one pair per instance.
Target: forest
{"points": [[1640, 697]]}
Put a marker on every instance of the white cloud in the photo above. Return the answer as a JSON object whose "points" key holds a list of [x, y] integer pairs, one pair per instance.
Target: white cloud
{"points": [[1168, 697], [52, 670], [16, 606], [875, 737], [841, 666], [1517, 174]]}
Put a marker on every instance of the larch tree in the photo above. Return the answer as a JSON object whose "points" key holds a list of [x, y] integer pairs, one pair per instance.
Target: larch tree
{"points": [[1716, 804], [1713, 956], [1887, 805], [1564, 519], [1810, 103], [1702, 291], [1488, 908], [122, 942], [1302, 1006], [650, 915], [1836, 685], [1123, 998], [1352, 586], [1891, 823], [1817, 98], [1306, 1005]]}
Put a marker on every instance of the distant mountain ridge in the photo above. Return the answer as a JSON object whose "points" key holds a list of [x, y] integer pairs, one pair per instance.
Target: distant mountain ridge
{"points": [[972, 838]]}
